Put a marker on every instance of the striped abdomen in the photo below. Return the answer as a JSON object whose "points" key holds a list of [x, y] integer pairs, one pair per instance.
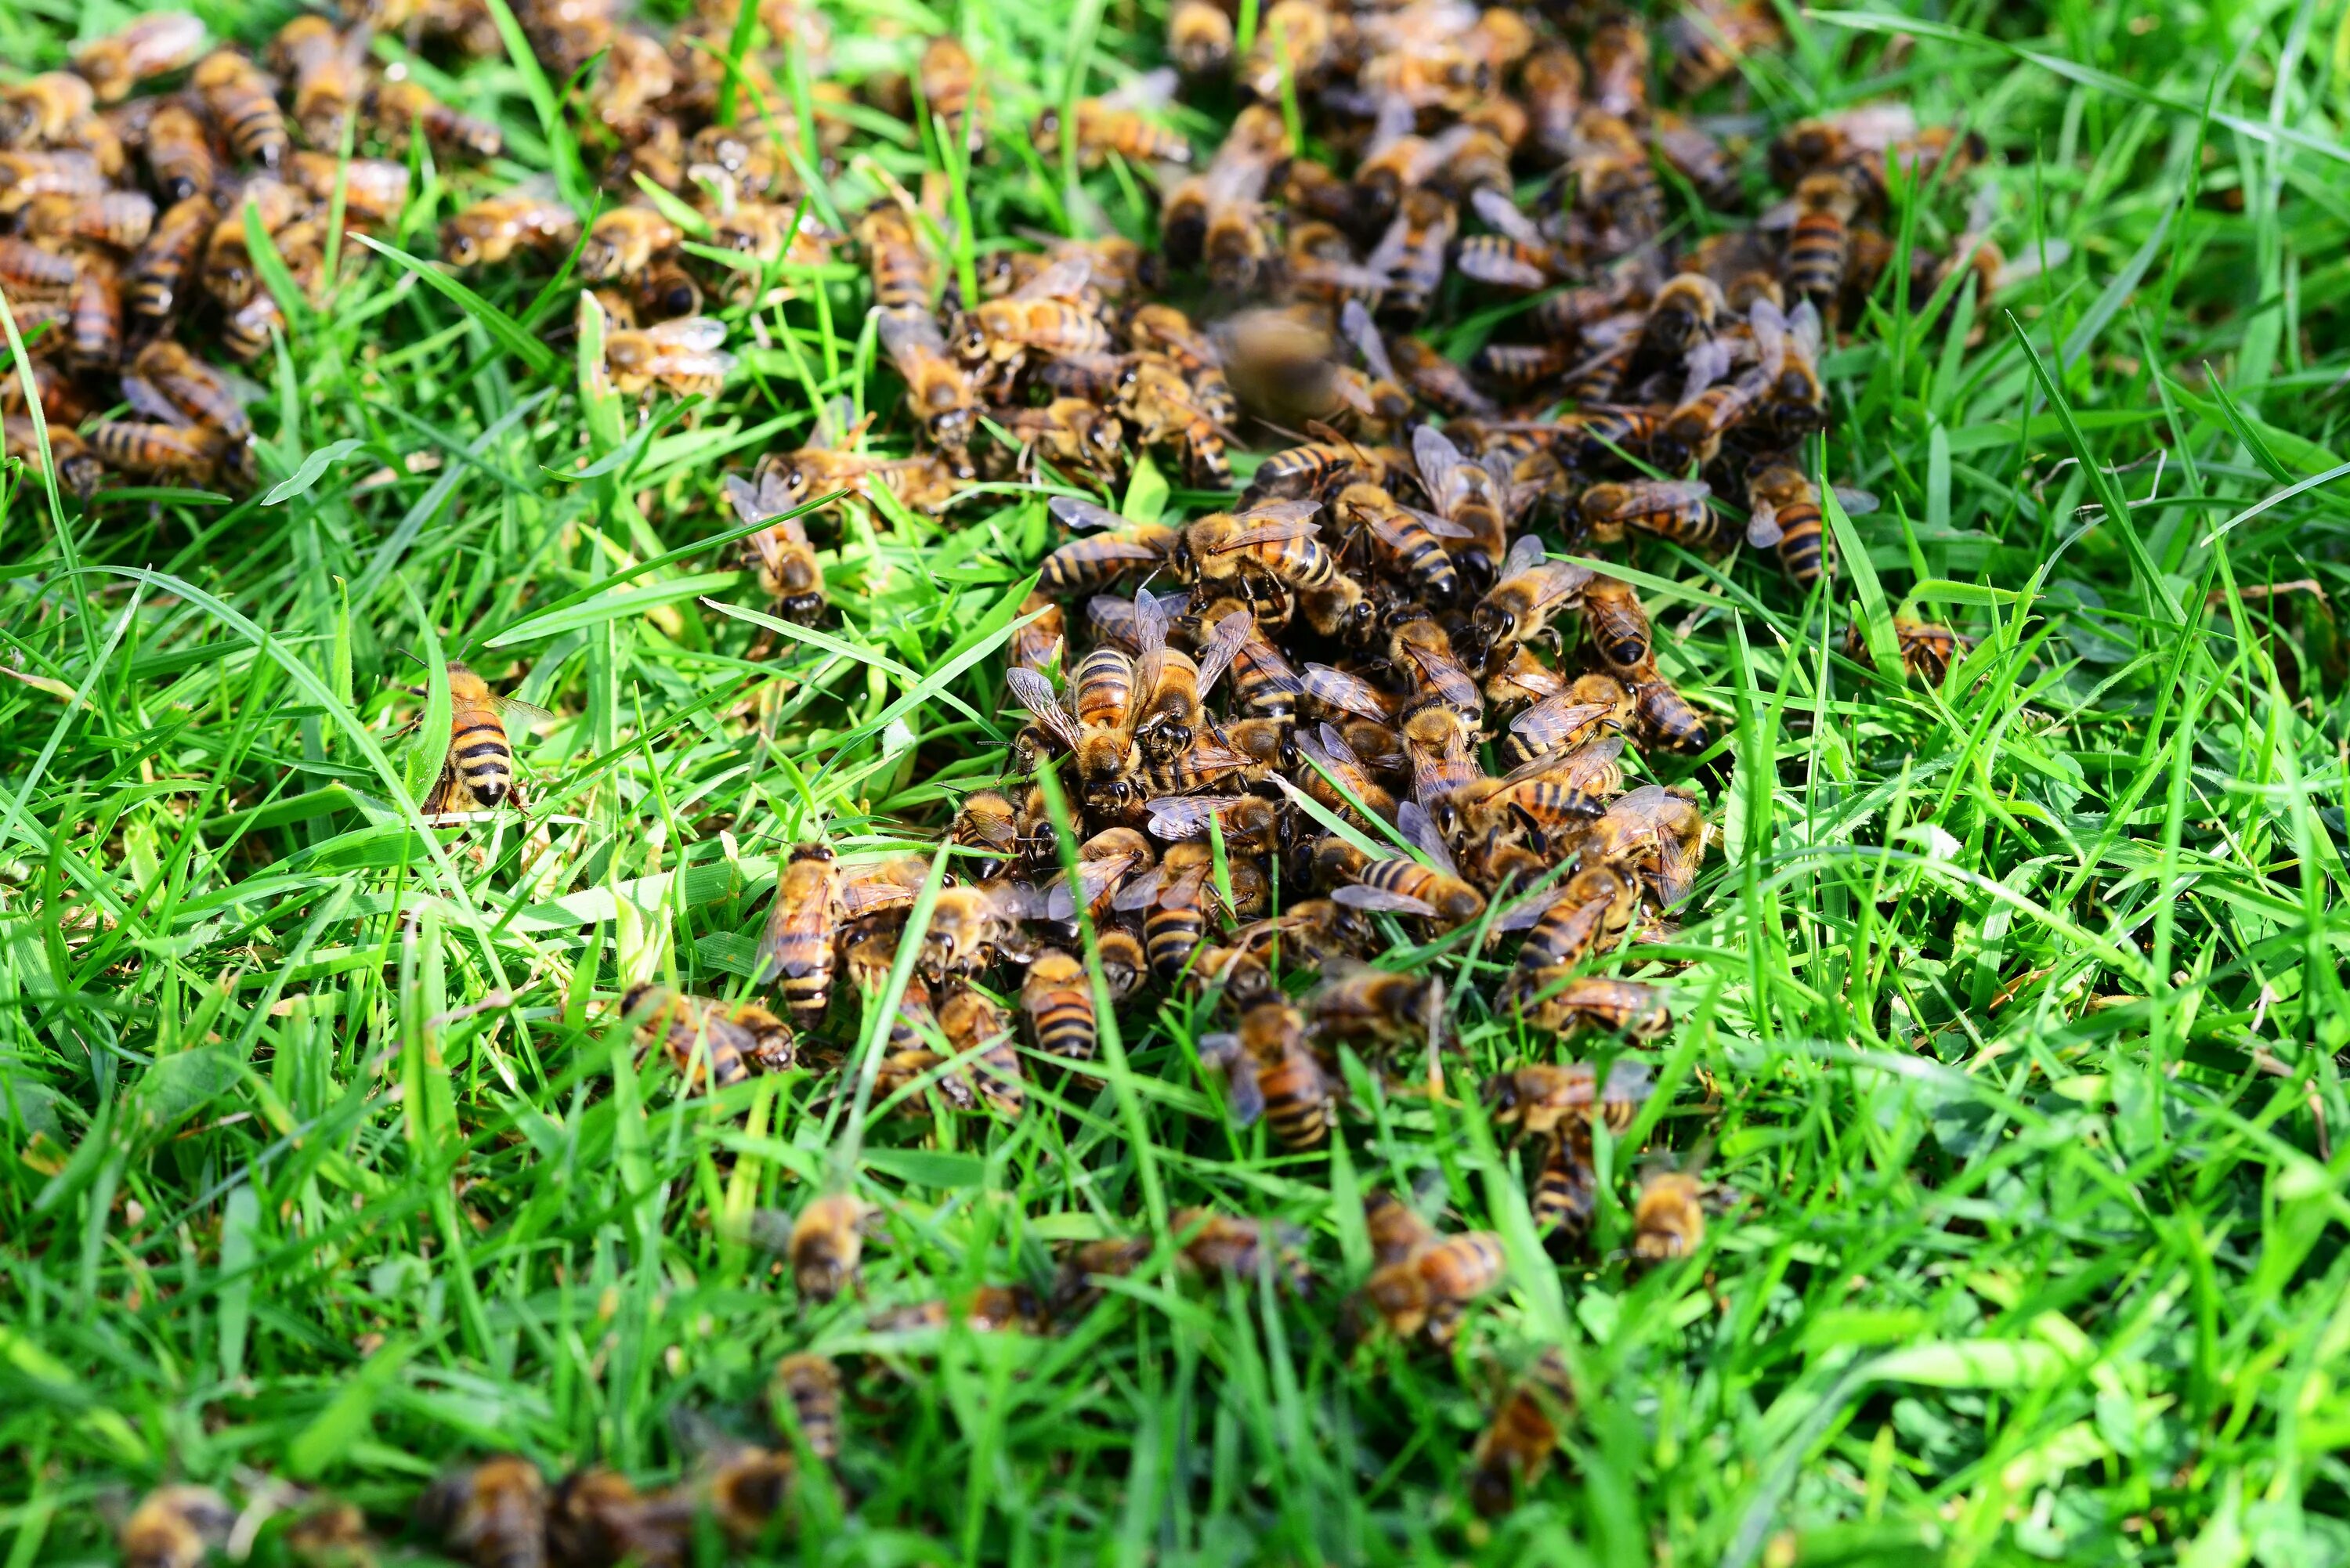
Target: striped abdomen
{"points": [[1803, 544], [1170, 935], [1815, 256], [479, 751], [1563, 1194]]}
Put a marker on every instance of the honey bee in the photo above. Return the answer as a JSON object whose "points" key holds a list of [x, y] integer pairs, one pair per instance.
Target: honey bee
{"points": [[329, 1534], [1045, 315], [1264, 681], [1058, 998], [31, 271], [1249, 823], [1358, 1003], [797, 946], [478, 773], [1836, 140], [161, 266], [1656, 833], [1617, 624], [374, 189], [1075, 1292], [490, 231], [1165, 410], [598, 1515], [1297, 42], [991, 1309], [1697, 158], [977, 1028], [788, 569], [1269, 1072], [94, 315], [1171, 899], [712, 1043], [1709, 38], [1784, 510], [922, 482], [1593, 907], [1318, 469], [1338, 772], [1615, 187], [179, 152], [1222, 1247], [1691, 434], [1512, 1453], [1438, 382], [167, 382], [805, 1389], [1532, 590], [56, 108], [938, 393], [1517, 255], [1540, 1100], [493, 1514], [1315, 931], [1397, 1230], [683, 356], [1277, 539], [906, 1071], [896, 259], [245, 105], [1671, 509], [1549, 799], [145, 47], [1093, 563], [1410, 255], [1096, 726], [970, 924], [176, 1527], [743, 1487], [167, 451], [78, 470], [948, 82], [401, 106], [826, 1246], [1819, 242], [1118, 123], [1070, 433], [1200, 38], [25, 177], [1668, 1216], [623, 241], [1664, 716], [1125, 962], [1928, 651], [121, 219], [325, 67], [1424, 1290]]}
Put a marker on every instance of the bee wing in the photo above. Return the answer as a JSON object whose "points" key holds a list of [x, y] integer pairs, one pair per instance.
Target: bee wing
{"points": [[1675, 870], [910, 337], [1207, 757], [1446, 677], [794, 939], [1266, 531], [1355, 322], [1350, 693], [1498, 267], [1354, 896], [1856, 502], [1113, 620], [1439, 464], [2055, 253], [1678, 492], [1525, 912], [1393, 247], [1220, 1049], [1036, 695], [1442, 528], [1599, 753], [1180, 817], [1805, 330], [1092, 876], [1770, 326], [1526, 553], [1392, 120], [1763, 529], [1140, 893], [1561, 710], [1335, 748], [1153, 89], [1018, 901], [1183, 892], [147, 399], [1280, 512], [519, 714], [747, 503], [1412, 818], [1149, 623], [874, 885], [692, 334], [1065, 279], [1224, 645], [1503, 217], [1074, 512], [1879, 125], [1243, 1093], [1707, 362]]}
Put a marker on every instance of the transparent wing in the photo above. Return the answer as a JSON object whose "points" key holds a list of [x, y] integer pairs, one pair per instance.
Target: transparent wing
{"points": [[1527, 911], [1150, 90], [1349, 693], [1280, 512], [1503, 217], [1438, 461], [147, 399], [1065, 279], [1770, 334], [1266, 532], [1074, 512], [1562, 711], [910, 336], [1149, 623], [519, 714], [1244, 1095], [1600, 753], [1763, 529], [1447, 677], [1525, 553], [1498, 268], [1379, 900], [1140, 893], [1856, 502], [1036, 694], [1224, 645], [693, 334], [1182, 817], [1413, 821], [1354, 321], [1393, 532]]}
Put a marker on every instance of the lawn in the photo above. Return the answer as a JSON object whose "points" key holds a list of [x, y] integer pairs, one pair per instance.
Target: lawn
{"points": [[2007, 1009]]}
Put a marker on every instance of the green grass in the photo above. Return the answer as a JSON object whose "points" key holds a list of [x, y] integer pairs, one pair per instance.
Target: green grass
{"points": [[2010, 1009]]}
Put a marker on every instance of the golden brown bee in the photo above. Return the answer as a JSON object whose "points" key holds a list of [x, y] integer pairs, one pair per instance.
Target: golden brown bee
{"points": [[1785, 511], [1045, 315], [1358, 1003], [1708, 37], [1058, 997], [24, 177], [1200, 38], [478, 773], [1277, 539], [245, 105], [121, 219], [623, 241], [1512, 1453], [329, 1534], [1617, 624], [788, 569], [1118, 123], [142, 49], [493, 1514], [52, 109], [1071, 434], [1532, 590], [31, 272], [1655, 832], [1671, 509], [161, 266], [897, 260], [1593, 906], [1437, 381], [325, 67], [1839, 141], [1397, 1230], [922, 482], [970, 924], [828, 1243], [1410, 255], [1249, 823], [743, 1487], [1517, 255], [158, 451], [797, 947], [598, 1515], [77, 469], [1697, 158], [1819, 242], [714, 1043], [951, 91], [1226, 198], [1093, 563], [805, 1389], [179, 152], [1425, 1289], [909, 1070], [1668, 1216], [1173, 897], [176, 1527], [938, 392], [1297, 43], [94, 315], [1548, 800], [1271, 1073], [991, 1309], [1222, 1247], [490, 231], [1541, 1100], [1334, 758], [171, 384], [1663, 717], [1928, 651], [374, 189], [405, 104], [1165, 408], [682, 355], [1709, 406], [977, 1027], [1095, 725]]}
